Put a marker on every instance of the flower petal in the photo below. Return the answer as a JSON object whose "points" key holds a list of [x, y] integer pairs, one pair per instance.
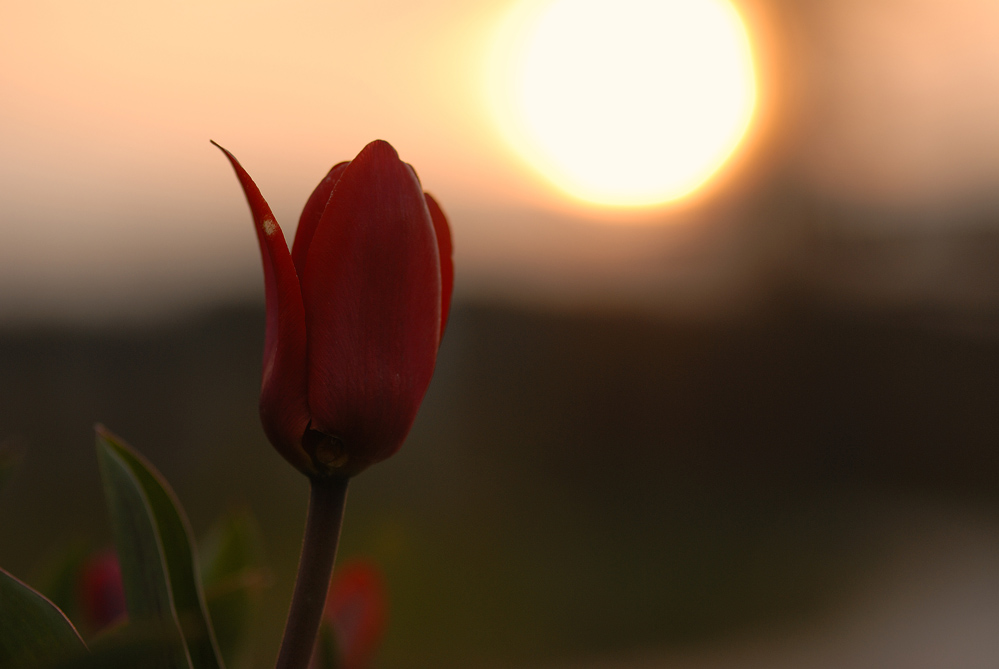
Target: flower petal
{"points": [[446, 251], [284, 409], [356, 607], [311, 214], [372, 291]]}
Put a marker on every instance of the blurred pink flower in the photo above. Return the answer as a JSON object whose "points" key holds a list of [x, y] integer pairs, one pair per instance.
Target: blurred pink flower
{"points": [[100, 591], [357, 611]]}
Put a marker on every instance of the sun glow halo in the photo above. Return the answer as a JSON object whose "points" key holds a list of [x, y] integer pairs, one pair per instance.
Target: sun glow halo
{"points": [[626, 102]]}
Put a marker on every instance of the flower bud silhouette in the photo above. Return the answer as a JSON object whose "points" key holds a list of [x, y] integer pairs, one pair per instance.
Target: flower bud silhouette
{"points": [[100, 591], [355, 614], [355, 313]]}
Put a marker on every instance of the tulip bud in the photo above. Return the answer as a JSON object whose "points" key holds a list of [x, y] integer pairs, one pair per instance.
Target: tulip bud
{"points": [[355, 313], [355, 614], [100, 591]]}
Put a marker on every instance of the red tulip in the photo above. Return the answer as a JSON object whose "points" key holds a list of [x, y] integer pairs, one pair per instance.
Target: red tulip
{"points": [[100, 591], [355, 313], [356, 612]]}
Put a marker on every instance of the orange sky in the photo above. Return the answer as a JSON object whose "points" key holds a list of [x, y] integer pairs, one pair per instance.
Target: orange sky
{"points": [[113, 201]]}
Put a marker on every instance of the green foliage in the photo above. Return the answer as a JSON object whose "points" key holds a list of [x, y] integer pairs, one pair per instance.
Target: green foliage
{"points": [[233, 576], [168, 624], [32, 629], [127, 647], [158, 566], [56, 578]]}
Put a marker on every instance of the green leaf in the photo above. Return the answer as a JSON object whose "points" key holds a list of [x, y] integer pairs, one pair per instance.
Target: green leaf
{"points": [[177, 546], [127, 647], [143, 567], [32, 629], [154, 548], [56, 577], [233, 576], [178, 549]]}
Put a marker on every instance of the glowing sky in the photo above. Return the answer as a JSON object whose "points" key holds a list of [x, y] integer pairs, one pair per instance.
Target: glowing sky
{"points": [[111, 195], [625, 102]]}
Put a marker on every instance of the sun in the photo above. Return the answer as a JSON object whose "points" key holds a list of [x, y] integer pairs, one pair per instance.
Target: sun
{"points": [[625, 102]]}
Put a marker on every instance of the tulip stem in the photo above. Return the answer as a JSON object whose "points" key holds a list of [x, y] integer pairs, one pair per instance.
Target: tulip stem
{"points": [[315, 568]]}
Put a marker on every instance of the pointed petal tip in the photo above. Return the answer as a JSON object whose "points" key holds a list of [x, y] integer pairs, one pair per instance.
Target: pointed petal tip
{"points": [[220, 147], [232, 158], [312, 213], [378, 150], [380, 144]]}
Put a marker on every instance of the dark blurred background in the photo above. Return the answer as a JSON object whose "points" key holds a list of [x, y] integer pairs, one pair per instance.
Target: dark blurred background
{"points": [[578, 484], [753, 428]]}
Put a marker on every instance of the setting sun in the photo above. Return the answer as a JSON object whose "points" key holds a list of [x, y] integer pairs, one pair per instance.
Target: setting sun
{"points": [[625, 102]]}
